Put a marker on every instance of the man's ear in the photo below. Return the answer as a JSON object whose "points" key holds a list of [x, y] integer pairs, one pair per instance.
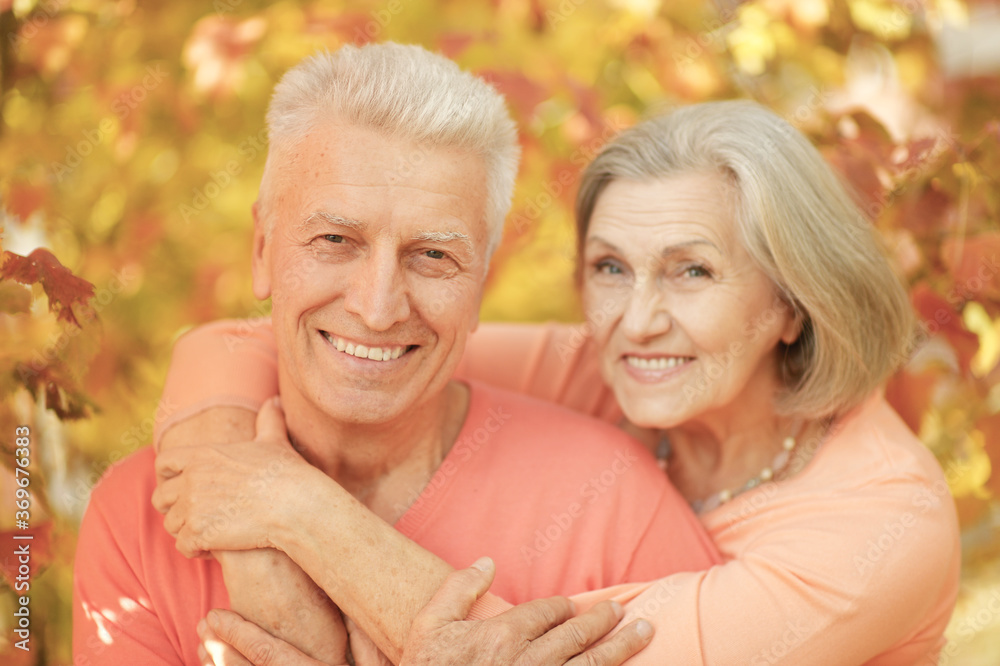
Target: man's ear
{"points": [[261, 259]]}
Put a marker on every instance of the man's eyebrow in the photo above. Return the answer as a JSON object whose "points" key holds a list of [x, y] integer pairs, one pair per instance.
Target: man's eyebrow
{"points": [[444, 237], [323, 216]]}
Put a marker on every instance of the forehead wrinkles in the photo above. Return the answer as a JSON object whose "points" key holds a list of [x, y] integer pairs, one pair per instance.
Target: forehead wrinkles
{"points": [[651, 217]]}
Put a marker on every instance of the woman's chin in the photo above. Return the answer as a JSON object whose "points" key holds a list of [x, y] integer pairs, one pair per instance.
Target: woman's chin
{"points": [[654, 412]]}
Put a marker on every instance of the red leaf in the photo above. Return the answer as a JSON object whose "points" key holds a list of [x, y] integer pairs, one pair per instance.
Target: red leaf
{"points": [[939, 316], [25, 200], [521, 92], [62, 287], [912, 394], [452, 44], [974, 264]]}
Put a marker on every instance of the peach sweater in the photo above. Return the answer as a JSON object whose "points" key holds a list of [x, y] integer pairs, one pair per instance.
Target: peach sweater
{"points": [[854, 560]]}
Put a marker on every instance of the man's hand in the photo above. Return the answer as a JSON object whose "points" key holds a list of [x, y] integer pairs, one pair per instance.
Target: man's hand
{"points": [[230, 496], [538, 632], [229, 640]]}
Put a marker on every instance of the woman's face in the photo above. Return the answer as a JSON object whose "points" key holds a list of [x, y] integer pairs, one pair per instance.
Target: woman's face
{"points": [[687, 324]]}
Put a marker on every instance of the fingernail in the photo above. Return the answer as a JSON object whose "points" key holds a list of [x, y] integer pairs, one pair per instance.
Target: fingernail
{"points": [[617, 609], [644, 629], [484, 564], [201, 626], [277, 401], [213, 620]]}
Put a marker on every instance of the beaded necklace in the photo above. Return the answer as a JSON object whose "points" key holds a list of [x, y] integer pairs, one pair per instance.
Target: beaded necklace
{"points": [[777, 466]]}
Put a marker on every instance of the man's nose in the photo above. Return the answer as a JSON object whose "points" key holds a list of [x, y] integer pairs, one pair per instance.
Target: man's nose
{"points": [[378, 292], [646, 315]]}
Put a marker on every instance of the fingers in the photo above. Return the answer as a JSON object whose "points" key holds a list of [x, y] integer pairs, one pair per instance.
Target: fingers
{"points": [[453, 601], [271, 421], [165, 495], [617, 649], [170, 463], [254, 644], [214, 652], [531, 620], [577, 634]]}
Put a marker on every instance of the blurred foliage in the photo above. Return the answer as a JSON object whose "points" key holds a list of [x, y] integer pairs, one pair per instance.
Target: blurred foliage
{"points": [[132, 145]]}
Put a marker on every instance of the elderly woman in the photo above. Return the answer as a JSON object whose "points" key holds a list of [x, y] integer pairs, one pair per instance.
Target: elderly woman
{"points": [[742, 319]]}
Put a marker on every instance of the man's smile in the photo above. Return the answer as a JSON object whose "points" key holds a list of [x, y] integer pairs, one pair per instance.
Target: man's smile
{"points": [[360, 350]]}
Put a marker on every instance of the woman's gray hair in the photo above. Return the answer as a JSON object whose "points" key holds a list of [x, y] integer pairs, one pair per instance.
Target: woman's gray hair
{"points": [[405, 92], [803, 230]]}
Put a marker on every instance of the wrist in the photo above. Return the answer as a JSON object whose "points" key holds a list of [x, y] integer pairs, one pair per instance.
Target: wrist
{"points": [[303, 503]]}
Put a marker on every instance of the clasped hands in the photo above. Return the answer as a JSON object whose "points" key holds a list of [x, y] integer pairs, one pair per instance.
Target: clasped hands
{"points": [[232, 496], [240, 496]]}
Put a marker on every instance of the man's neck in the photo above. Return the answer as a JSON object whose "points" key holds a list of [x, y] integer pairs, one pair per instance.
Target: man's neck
{"points": [[385, 466]]}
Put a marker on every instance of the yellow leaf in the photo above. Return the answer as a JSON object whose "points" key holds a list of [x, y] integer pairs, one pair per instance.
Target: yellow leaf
{"points": [[978, 321], [886, 20], [968, 473]]}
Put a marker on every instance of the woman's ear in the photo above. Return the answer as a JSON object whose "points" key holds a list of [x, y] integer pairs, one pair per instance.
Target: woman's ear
{"points": [[793, 324]]}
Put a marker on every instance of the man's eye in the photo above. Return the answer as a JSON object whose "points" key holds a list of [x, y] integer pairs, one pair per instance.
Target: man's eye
{"points": [[334, 238], [435, 254]]}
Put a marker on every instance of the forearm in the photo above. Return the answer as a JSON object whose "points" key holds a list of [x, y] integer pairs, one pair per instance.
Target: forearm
{"points": [[377, 576], [265, 586]]}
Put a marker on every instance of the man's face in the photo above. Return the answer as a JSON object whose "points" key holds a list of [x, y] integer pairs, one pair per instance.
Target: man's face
{"points": [[375, 264]]}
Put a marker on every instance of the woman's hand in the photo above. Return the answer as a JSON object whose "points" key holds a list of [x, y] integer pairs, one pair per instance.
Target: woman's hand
{"points": [[229, 640], [231, 496], [538, 632]]}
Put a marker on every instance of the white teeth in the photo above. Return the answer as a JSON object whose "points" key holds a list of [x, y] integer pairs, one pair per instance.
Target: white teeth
{"points": [[361, 351], [661, 363]]}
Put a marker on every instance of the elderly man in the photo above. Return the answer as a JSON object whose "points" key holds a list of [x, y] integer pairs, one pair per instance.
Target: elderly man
{"points": [[386, 184]]}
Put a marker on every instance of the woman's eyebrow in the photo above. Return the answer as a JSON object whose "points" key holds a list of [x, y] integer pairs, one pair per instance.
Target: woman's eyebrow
{"points": [[665, 252]]}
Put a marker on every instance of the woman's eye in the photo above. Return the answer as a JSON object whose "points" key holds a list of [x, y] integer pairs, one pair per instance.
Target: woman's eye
{"points": [[608, 268], [696, 272], [334, 238], [435, 254]]}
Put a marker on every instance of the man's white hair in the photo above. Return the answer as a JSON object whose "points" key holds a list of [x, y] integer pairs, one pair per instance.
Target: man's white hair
{"points": [[405, 92]]}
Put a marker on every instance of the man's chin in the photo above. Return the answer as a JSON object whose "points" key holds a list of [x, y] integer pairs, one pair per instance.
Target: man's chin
{"points": [[361, 407]]}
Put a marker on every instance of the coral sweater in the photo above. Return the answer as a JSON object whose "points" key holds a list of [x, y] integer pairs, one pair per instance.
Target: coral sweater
{"points": [[854, 560]]}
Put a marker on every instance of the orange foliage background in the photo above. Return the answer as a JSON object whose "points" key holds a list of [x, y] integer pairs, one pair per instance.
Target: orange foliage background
{"points": [[132, 144]]}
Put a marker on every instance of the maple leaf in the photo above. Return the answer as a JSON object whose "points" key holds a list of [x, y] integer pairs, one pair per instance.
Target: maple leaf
{"points": [[62, 287]]}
